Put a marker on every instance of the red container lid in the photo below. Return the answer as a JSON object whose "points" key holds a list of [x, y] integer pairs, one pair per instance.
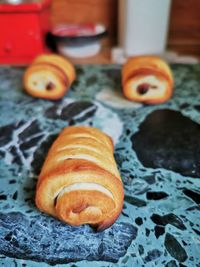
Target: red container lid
{"points": [[78, 33], [24, 6], [74, 30]]}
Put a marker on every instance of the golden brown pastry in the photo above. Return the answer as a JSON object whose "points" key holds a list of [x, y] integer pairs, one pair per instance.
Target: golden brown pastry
{"points": [[147, 79], [79, 182], [49, 77]]}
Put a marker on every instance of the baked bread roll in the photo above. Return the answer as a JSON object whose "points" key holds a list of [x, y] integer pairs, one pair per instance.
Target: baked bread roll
{"points": [[49, 77], [147, 79], [79, 182]]}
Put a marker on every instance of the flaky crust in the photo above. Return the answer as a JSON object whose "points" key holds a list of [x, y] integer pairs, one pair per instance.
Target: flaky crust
{"points": [[64, 64], [79, 182], [49, 77], [150, 72]]}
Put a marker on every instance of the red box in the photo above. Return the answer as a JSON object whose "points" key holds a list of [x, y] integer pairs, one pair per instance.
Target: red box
{"points": [[23, 31]]}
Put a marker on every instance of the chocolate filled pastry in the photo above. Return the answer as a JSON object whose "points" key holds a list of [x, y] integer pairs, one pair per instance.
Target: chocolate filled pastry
{"points": [[49, 77], [79, 182], [147, 79]]}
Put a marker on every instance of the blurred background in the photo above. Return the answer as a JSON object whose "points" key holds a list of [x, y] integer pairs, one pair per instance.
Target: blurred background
{"points": [[133, 27]]}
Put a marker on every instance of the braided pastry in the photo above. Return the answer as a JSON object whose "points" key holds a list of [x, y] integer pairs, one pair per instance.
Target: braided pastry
{"points": [[79, 182]]}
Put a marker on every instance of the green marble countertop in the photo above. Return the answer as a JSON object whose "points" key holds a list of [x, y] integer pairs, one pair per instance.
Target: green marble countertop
{"points": [[157, 149]]}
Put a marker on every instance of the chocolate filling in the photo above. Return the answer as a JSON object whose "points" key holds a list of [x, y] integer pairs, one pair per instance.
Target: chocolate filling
{"points": [[80, 208], [144, 87], [55, 201], [50, 86]]}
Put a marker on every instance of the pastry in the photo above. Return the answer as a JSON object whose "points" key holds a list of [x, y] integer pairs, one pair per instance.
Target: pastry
{"points": [[49, 77], [147, 79], [79, 182]]}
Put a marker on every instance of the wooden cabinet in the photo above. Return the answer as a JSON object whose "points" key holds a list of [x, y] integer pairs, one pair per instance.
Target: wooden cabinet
{"points": [[81, 11], [184, 28]]}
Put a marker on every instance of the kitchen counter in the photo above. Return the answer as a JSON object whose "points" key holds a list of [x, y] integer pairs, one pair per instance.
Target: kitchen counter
{"points": [[157, 149]]}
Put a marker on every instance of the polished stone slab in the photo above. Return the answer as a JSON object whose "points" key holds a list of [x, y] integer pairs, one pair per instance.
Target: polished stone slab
{"points": [[157, 152]]}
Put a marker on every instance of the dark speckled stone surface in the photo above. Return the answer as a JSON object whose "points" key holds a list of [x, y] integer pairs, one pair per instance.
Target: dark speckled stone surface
{"points": [[171, 141], [39, 239], [157, 150]]}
